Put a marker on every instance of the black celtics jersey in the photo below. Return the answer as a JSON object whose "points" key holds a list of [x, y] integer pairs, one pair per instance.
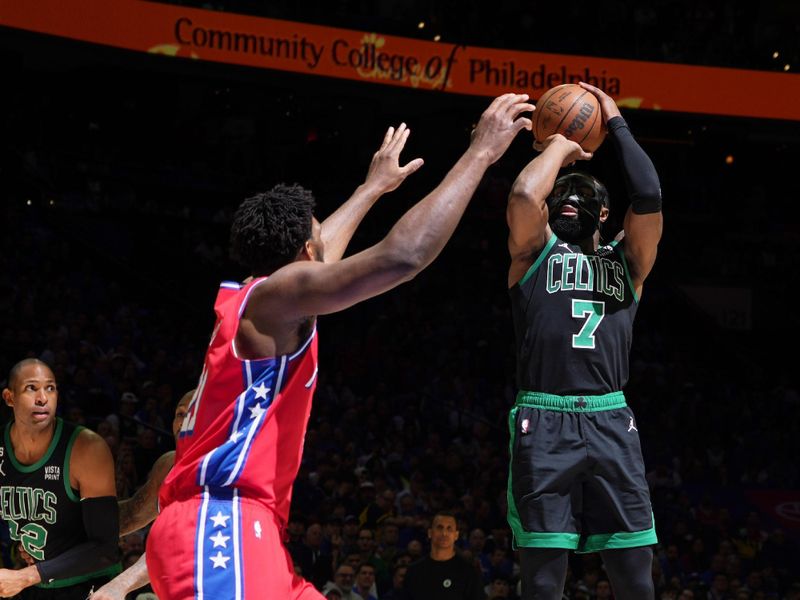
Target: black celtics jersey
{"points": [[37, 503], [573, 319]]}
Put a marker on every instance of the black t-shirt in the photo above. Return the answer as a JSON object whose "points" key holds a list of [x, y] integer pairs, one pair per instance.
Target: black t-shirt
{"points": [[453, 579]]}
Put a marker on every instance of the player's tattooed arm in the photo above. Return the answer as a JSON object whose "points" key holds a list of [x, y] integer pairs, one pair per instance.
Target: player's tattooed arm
{"points": [[142, 508]]}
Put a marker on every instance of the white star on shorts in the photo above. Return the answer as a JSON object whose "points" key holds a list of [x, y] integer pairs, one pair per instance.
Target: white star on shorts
{"points": [[220, 520], [256, 411], [220, 540], [220, 561]]}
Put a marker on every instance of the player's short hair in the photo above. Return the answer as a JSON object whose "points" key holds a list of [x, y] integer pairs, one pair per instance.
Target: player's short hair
{"points": [[270, 228], [13, 374]]}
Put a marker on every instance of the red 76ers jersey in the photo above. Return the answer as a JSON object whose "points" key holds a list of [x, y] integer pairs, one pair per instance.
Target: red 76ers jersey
{"points": [[246, 424]]}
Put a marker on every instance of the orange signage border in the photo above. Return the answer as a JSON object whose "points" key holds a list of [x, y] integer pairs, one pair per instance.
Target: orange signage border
{"points": [[392, 60]]}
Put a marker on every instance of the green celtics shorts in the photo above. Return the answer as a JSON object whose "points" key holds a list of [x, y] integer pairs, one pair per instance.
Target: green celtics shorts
{"points": [[576, 478]]}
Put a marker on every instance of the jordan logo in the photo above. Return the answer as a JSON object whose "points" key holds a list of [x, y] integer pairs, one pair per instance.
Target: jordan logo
{"points": [[632, 427]]}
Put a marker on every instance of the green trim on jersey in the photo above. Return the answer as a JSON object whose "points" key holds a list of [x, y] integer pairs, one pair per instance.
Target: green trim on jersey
{"points": [[111, 571], [576, 404], [70, 492], [539, 259], [615, 245], [38, 464], [621, 539]]}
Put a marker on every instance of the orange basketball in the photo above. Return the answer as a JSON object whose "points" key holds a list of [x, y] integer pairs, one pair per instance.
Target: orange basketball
{"points": [[573, 112]]}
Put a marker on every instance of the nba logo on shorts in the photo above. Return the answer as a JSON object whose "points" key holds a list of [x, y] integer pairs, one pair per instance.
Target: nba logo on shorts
{"points": [[525, 423]]}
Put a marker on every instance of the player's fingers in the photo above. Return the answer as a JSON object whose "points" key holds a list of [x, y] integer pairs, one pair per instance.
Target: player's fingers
{"points": [[401, 141], [512, 101], [501, 99], [521, 107], [387, 138], [523, 123], [411, 167], [590, 87], [501, 103], [399, 134]]}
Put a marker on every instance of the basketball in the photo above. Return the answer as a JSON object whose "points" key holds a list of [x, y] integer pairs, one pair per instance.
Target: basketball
{"points": [[573, 112]]}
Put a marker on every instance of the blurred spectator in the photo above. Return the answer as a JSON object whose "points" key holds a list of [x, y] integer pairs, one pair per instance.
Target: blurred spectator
{"points": [[367, 552], [365, 582], [388, 540], [499, 588], [343, 582], [398, 577], [317, 566]]}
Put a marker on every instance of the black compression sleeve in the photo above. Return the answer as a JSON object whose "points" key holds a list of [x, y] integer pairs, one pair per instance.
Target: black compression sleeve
{"points": [[641, 178], [101, 523], [630, 571], [543, 572]]}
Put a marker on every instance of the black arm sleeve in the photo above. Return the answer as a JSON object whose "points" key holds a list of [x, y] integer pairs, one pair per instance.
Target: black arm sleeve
{"points": [[101, 522], [641, 178]]}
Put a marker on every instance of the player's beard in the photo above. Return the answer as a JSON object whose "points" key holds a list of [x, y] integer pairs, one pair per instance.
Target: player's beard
{"points": [[574, 229]]}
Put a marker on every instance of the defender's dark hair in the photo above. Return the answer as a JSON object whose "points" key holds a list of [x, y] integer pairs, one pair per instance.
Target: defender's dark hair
{"points": [[270, 228]]}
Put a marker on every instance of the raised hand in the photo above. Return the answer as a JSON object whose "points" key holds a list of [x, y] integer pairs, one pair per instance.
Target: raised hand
{"points": [[500, 123], [607, 103], [570, 150], [385, 172]]}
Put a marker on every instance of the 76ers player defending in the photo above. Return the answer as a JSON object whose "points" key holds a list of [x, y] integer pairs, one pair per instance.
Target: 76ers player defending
{"points": [[226, 501]]}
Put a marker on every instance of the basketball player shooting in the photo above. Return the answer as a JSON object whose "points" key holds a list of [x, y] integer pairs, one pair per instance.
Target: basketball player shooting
{"points": [[577, 478], [225, 503]]}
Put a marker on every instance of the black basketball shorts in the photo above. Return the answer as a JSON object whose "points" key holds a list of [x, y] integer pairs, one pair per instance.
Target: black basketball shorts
{"points": [[577, 478]]}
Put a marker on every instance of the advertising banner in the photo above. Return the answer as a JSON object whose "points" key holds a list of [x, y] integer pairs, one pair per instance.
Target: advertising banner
{"points": [[398, 61]]}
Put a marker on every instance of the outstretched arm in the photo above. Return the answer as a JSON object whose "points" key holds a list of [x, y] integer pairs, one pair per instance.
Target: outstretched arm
{"points": [[527, 213], [643, 220], [306, 288], [142, 508], [384, 175]]}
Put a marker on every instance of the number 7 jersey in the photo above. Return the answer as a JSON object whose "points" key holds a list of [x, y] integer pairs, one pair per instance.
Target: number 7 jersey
{"points": [[573, 320], [246, 424]]}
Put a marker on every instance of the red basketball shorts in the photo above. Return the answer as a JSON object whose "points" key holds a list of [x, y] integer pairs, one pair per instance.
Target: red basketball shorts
{"points": [[221, 546]]}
